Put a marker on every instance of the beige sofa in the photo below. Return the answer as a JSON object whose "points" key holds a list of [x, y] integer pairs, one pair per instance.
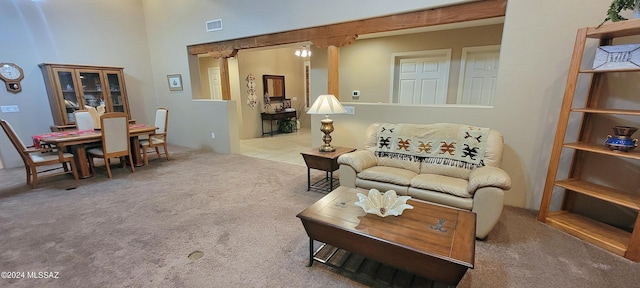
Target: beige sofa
{"points": [[450, 164]]}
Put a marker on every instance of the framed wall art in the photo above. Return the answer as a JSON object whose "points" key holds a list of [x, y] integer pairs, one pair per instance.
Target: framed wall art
{"points": [[175, 82]]}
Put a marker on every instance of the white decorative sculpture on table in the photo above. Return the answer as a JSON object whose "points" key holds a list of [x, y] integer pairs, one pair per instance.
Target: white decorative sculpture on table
{"points": [[383, 205]]}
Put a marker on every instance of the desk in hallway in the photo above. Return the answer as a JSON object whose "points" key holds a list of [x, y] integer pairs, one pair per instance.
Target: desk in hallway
{"points": [[275, 116]]}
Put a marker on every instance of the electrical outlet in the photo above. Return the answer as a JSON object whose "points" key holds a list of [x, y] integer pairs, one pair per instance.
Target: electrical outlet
{"points": [[9, 109], [294, 98], [213, 135]]}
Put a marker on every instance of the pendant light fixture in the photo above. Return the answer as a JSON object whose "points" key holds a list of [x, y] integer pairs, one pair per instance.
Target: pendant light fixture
{"points": [[303, 51]]}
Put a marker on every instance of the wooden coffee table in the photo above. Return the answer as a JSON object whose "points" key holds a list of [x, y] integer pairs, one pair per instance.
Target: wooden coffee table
{"points": [[432, 241]]}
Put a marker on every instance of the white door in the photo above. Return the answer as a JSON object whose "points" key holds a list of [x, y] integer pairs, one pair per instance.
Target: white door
{"points": [[215, 83], [424, 80], [478, 75]]}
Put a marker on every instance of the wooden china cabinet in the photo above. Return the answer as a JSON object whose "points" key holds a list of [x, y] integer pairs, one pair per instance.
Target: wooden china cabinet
{"points": [[73, 87]]}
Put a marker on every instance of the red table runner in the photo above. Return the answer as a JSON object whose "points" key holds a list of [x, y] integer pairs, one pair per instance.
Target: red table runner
{"points": [[38, 138]]}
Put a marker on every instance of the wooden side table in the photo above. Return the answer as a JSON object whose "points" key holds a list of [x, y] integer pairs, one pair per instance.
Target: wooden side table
{"points": [[324, 161], [275, 116]]}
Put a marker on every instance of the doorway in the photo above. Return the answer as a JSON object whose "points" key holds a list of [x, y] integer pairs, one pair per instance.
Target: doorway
{"points": [[421, 77], [478, 75], [215, 84]]}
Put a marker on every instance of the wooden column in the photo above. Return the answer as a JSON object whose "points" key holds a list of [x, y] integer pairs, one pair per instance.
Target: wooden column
{"points": [[224, 70], [333, 56], [333, 70], [224, 79]]}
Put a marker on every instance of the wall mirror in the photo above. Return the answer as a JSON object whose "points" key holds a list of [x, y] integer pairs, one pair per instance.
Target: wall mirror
{"points": [[273, 86]]}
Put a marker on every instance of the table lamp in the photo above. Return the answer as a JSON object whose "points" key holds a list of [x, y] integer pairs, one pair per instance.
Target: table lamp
{"points": [[327, 105]]}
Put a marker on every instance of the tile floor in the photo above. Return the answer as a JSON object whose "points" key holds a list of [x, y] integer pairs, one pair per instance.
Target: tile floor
{"points": [[280, 147]]}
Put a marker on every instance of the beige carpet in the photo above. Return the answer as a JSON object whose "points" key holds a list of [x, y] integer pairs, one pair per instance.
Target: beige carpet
{"points": [[137, 230]]}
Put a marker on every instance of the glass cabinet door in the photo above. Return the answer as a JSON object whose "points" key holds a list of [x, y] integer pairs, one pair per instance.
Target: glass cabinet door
{"points": [[115, 91], [67, 88], [92, 88]]}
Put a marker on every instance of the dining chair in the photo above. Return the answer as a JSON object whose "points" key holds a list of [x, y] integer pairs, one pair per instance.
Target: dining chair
{"points": [[159, 138], [115, 141], [101, 110], [34, 157], [95, 116], [84, 120]]}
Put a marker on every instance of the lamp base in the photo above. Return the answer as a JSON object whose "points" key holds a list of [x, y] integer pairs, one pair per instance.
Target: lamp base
{"points": [[326, 128], [325, 148]]}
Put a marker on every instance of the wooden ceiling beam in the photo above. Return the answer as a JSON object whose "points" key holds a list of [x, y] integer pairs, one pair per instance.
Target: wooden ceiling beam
{"points": [[445, 15], [337, 41], [223, 54]]}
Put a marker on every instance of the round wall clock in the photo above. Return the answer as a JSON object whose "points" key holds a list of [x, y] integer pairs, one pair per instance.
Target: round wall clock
{"points": [[11, 74]]}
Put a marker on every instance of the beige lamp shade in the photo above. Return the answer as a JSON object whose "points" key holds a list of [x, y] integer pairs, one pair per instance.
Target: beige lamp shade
{"points": [[326, 104]]}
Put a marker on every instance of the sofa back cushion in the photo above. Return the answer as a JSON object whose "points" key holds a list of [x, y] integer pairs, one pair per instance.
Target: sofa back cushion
{"points": [[489, 143], [372, 144]]}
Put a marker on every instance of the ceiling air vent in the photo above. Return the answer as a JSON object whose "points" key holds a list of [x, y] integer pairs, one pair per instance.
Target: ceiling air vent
{"points": [[214, 25]]}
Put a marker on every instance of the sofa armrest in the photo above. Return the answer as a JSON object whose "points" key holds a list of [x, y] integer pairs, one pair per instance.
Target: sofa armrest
{"points": [[488, 176], [487, 204], [358, 160], [347, 176]]}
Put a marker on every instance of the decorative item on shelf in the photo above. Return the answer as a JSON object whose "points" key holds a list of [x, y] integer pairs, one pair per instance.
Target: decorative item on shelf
{"points": [[90, 100], [278, 108], [383, 205], [327, 105], [613, 13], [267, 102], [300, 106], [617, 57], [622, 140]]}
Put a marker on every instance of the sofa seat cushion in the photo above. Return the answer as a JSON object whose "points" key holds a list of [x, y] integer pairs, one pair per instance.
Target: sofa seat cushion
{"points": [[444, 184], [441, 198], [388, 174], [401, 190]]}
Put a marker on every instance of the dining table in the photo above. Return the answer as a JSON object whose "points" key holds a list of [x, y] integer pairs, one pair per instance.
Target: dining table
{"points": [[76, 140]]}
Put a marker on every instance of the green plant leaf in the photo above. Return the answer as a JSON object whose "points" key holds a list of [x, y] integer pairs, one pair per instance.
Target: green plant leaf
{"points": [[613, 13]]}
